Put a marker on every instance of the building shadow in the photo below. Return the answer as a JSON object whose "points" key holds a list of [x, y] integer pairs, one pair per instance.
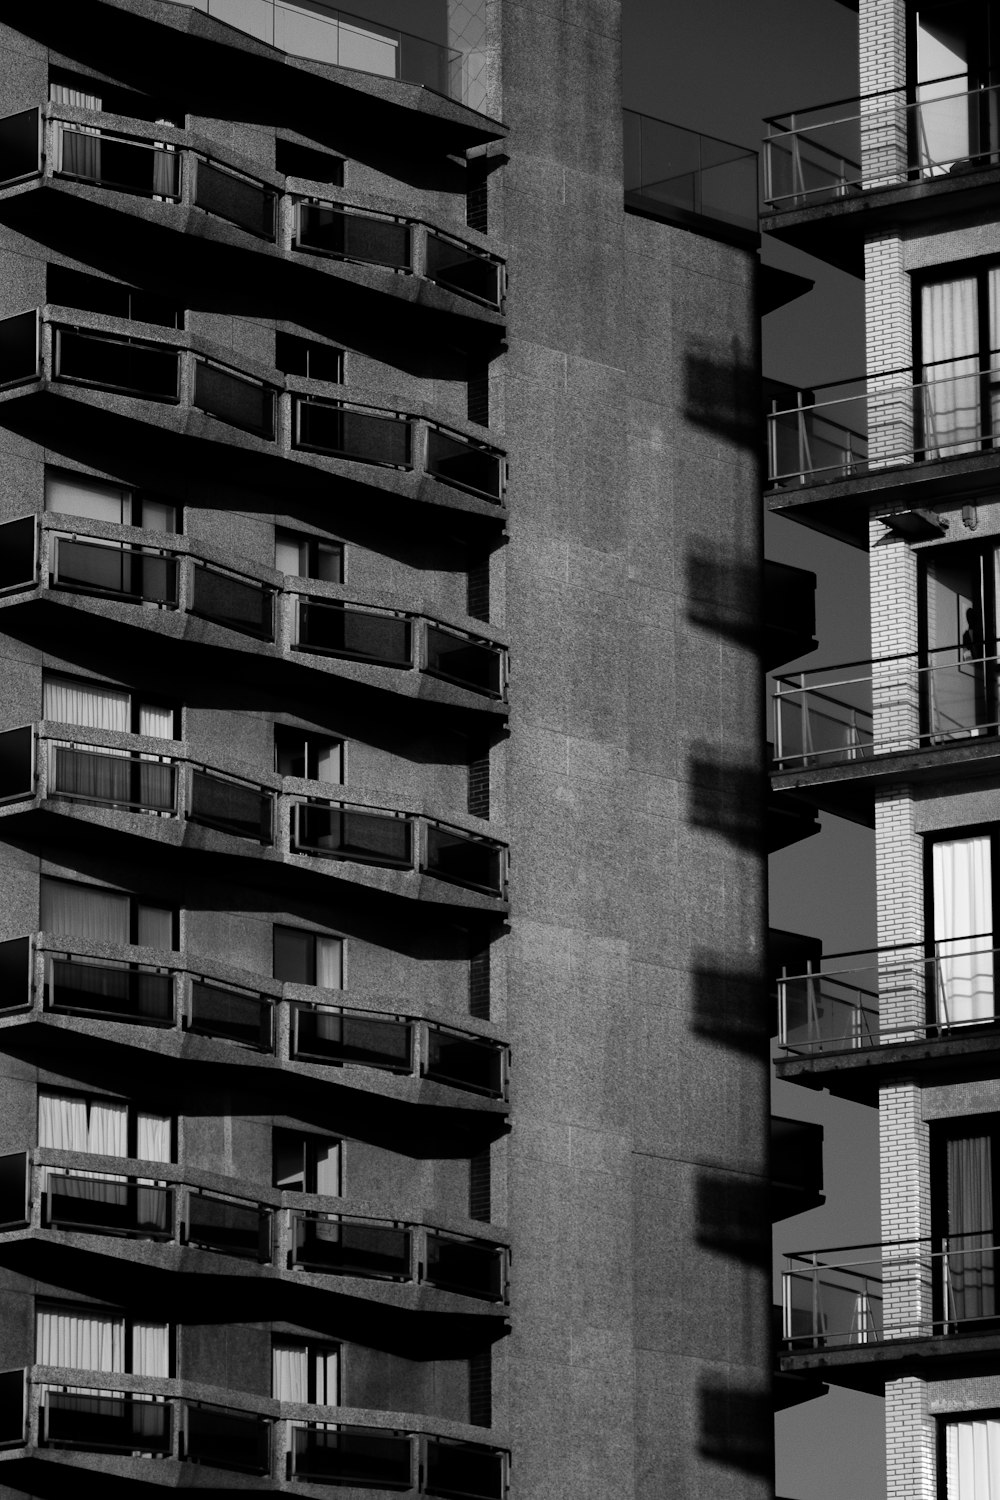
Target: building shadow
{"points": [[726, 796], [731, 1007], [736, 1428], [723, 396]]}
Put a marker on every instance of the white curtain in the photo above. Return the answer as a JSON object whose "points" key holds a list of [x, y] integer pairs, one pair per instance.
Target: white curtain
{"points": [[79, 1341], [973, 1459], [108, 1132], [155, 927], [157, 515], [151, 1349], [327, 1377], [153, 1142], [95, 707], [290, 1372], [994, 296], [963, 926], [157, 722], [62, 1122], [329, 963], [951, 381], [84, 911], [969, 1263], [88, 497]]}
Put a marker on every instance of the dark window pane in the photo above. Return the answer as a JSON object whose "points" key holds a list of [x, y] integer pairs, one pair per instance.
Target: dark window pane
{"points": [[342, 630], [227, 1013], [294, 955], [298, 356], [101, 990], [459, 463], [474, 664], [100, 568], [464, 1469], [230, 806], [458, 857], [89, 1204], [366, 1456], [17, 553], [463, 270], [71, 288], [144, 370], [242, 1229], [350, 236], [18, 348], [13, 1190], [246, 204], [326, 427], [114, 1424], [20, 149], [15, 973], [12, 1408], [467, 1062], [345, 1249], [17, 778], [465, 1266], [333, 1037], [370, 838], [233, 601], [304, 161], [227, 1439], [241, 403]]}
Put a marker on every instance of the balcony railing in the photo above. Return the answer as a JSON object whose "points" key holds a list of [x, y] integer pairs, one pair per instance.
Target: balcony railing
{"points": [[860, 426], [386, 1250], [905, 1289], [97, 1206], [385, 1458], [672, 172], [841, 715], [104, 1422], [379, 836], [837, 150], [228, 1226], [122, 990], [38, 142], [936, 992]]}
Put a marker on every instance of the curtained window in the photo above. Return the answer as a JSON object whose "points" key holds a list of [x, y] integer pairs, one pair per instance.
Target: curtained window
{"points": [[963, 929], [305, 1373], [960, 362], [100, 916], [74, 495], [103, 1127], [95, 706], [302, 957], [972, 1459], [307, 1163], [86, 1340], [970, 1291]]}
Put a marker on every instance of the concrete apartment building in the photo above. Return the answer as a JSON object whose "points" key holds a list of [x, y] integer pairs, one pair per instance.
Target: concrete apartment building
{"points": [[900, 187], [383, 1029]]}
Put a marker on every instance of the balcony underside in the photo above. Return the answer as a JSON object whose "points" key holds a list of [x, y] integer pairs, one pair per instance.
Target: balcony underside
{"points": [[200, 260], [849, 791], [857, 1074], [867, 1367], [836, 231], [789, 821], [228, 74]]}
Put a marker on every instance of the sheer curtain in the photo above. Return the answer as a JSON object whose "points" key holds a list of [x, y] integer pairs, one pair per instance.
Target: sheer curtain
{"points": [[84, 911], [70, 496], [152, 1144], [98, 1128], [970, 1281], [79, 1341], [950, 343], [963, 928], [290, 1372], [329, 963], [973, 1459], [994, 296], [80, 703], [81, 144]]}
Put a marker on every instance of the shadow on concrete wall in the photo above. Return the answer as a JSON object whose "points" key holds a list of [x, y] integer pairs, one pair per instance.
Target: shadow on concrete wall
{"points": [[733, 1215], [723, 593], [722, 390], [736, 1428], [726, 796], [728, 1007]]}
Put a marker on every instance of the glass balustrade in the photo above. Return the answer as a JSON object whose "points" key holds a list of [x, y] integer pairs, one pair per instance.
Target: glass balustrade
{"points": [[238, 603], [14, 1190], [466, 1062], [130, 573], [248, 204], [216, 1223], [671, 171], [104, 1423], [463, 859], [231, 806], [470, 1267], [467, 1471], [20, 351], [112, 991], [347, 1247], [462, 269], [473, 664], [151, 371], [357, 634], [13, 1408], [226, 1439], [18, 558], [366, 437], [345, 234], [247, 404], [455, 460], [147, 168], [326, 1035], [239, 1017], [17, 760], [15, 969], [102, 1206], [367, 1457], [112, 780], [20, 146], [337, 832]]}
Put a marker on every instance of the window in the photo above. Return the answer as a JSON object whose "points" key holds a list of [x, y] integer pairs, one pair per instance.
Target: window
{"points": [[964, 1190], [298, 356], [77, 289], [303, 556], [305, 1372], [103, 1127], [91, 93], [98, 500], [94, 706], [959, 879], [101, 916], [307, 1163], [302, 957], [972, 1458], [958, 343], [315, 757], [305, 161], [86, 1338], [960, 629], [956, 48]]}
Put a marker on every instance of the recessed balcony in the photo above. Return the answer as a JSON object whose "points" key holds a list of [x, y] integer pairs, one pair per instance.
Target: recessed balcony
{"points": [[200, 193], [842, 731], [852, 1021], [920, 434], [41, 978], [118, 1199], [426, 657], [867, 1314], [836, 172], [160, 1420], [684, 177], [40, 353]]}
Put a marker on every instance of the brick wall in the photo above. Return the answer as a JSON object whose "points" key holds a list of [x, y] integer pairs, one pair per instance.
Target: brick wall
{"points": [[910, 1442], [882, 35], [889, 351]]}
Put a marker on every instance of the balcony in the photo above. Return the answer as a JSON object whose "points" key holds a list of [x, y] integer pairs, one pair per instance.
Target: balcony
{"points": [[62, 145], [694, 180], [296, 625], [853, 1020], [343, 1245], [40, 978], [870, 1313], [146, 1420], [887, 156], [840, 731], [287, 424]]}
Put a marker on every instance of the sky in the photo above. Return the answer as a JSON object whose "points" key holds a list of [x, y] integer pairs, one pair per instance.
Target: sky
{"points": [[721, 66]]}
